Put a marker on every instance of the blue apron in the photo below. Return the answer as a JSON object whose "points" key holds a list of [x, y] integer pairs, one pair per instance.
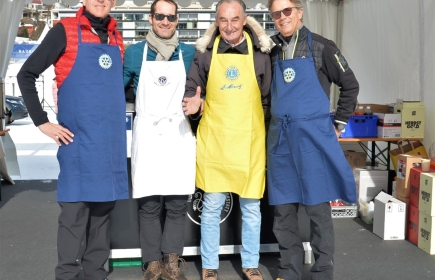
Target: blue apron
{"points": [[91, 105], [305, 163]]}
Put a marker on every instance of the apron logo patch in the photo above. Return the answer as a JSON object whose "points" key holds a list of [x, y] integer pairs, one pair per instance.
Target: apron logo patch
{"points": [[162, 80], [232, 73], [289, 74], [105, 61], [194, 206]]}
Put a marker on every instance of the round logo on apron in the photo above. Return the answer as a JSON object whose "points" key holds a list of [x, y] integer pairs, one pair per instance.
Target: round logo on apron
{"points": [[289, 74], [105, 61], [162, 80], [232, 73], [194, 206]]}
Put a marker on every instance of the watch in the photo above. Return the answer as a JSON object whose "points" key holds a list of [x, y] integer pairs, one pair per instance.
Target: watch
{"points": [[339, 126]]}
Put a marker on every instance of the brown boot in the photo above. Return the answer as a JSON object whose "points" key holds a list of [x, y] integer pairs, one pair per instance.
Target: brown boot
{"points": [[154, 270], [252, 274], [170, 270], [209, 274]]}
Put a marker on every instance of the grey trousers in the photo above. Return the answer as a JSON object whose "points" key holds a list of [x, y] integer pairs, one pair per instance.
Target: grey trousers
{"points": [[154, 241], [286, 230], [83, 242]]}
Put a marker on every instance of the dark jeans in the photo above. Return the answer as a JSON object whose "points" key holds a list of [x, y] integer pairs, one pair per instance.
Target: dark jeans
{"points": [[286, 230], [153, 242], [83, 242]]}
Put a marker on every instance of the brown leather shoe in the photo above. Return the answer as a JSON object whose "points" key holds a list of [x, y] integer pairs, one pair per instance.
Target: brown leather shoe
{"points": [[171, 270], [252, 274], [154, 270], [209, 274]]}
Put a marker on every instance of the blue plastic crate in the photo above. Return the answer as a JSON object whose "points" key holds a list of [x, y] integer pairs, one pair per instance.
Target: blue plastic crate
{"points": [[361, 126]]}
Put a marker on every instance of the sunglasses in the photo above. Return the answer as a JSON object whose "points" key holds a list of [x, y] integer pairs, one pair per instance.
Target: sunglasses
{"points": [[287, 12], [160, 17]]}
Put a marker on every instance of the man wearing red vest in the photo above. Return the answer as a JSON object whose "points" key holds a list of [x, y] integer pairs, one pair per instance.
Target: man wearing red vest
{"points": [[87, 53]]}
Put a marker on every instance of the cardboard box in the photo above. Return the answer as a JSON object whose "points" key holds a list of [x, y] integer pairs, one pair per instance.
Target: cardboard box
{"points": [[414, 186], [377, 108], [356, 159], [413, 119], [396, 107], [389, 218], [389, 131], [413, 222], [427, 191], [386, 119], [405, 163], [370, 181], [426, 230], [403, 199]]}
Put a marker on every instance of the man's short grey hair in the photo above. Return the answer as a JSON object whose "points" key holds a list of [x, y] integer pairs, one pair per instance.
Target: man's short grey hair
{"points": [[241, 3], [298, 3]]}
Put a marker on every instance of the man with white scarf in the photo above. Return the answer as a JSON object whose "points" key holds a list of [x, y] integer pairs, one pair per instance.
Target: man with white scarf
{"points": [[163, 146]]}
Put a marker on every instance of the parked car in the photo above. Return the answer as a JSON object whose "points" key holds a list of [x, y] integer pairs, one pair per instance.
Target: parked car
{"points": [[15, 109]]}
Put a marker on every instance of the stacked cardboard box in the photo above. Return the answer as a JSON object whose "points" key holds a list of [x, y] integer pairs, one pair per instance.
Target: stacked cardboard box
{"points": [[426, 207], [405, 163], [356, 159], [370, 181], [414, 198], [389, 125], [413, 116], [389, 217]]}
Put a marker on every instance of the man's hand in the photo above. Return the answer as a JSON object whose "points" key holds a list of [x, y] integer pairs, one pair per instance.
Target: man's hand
{"points": [[57, 133], [191, 105], [337, 132]]}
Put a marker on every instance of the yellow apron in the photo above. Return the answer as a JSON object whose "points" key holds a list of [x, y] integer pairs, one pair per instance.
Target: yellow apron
{"points": [[231, 148]]}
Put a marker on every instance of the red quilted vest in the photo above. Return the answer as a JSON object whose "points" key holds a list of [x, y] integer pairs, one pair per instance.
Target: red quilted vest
{"points": [[64, 64]]}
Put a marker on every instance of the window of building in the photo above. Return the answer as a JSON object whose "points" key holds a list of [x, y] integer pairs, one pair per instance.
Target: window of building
{"points": [[182, 26], [129, 17], [258, 17], [193, 16], [270, 26], [141, 34], [183, 16], [116, 16], [141, 16]]}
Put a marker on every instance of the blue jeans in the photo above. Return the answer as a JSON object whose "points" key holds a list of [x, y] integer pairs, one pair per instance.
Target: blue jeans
{"points": [[210, 231]]}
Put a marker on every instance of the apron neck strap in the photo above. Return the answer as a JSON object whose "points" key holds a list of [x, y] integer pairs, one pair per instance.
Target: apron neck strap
{"points": [[145, 52], [310, 53]]}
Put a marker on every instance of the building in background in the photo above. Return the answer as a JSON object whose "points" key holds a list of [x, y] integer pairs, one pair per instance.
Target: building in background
{"points": [[193, 21]]}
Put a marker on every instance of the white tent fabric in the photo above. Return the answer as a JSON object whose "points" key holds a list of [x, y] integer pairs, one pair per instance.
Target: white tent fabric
{"points": [[389, 45]]}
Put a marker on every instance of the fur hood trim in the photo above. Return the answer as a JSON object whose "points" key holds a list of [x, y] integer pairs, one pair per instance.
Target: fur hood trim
{"points": [[264, 42]]}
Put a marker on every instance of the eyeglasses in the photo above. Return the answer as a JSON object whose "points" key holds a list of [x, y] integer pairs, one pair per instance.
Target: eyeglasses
{"points": [[161, 17], [287, 12]]}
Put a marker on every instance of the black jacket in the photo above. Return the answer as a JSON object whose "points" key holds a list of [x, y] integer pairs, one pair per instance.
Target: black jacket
{"points": [[330, 65]]}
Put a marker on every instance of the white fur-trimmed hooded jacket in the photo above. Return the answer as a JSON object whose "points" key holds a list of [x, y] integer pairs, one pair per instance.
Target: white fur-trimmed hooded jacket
{"points": [[262, 44]]}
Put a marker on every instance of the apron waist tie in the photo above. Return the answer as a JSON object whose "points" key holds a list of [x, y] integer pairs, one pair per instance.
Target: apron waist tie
{"points": [[157, 119]]}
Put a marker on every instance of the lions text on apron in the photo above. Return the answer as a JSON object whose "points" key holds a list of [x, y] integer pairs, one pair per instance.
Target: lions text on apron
{"points": [[91, 105], [163, 146], [231, 134], [305, 163]]}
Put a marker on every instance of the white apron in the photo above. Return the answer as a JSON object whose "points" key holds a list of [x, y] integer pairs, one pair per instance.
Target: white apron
{"points": [[163, 156]]}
